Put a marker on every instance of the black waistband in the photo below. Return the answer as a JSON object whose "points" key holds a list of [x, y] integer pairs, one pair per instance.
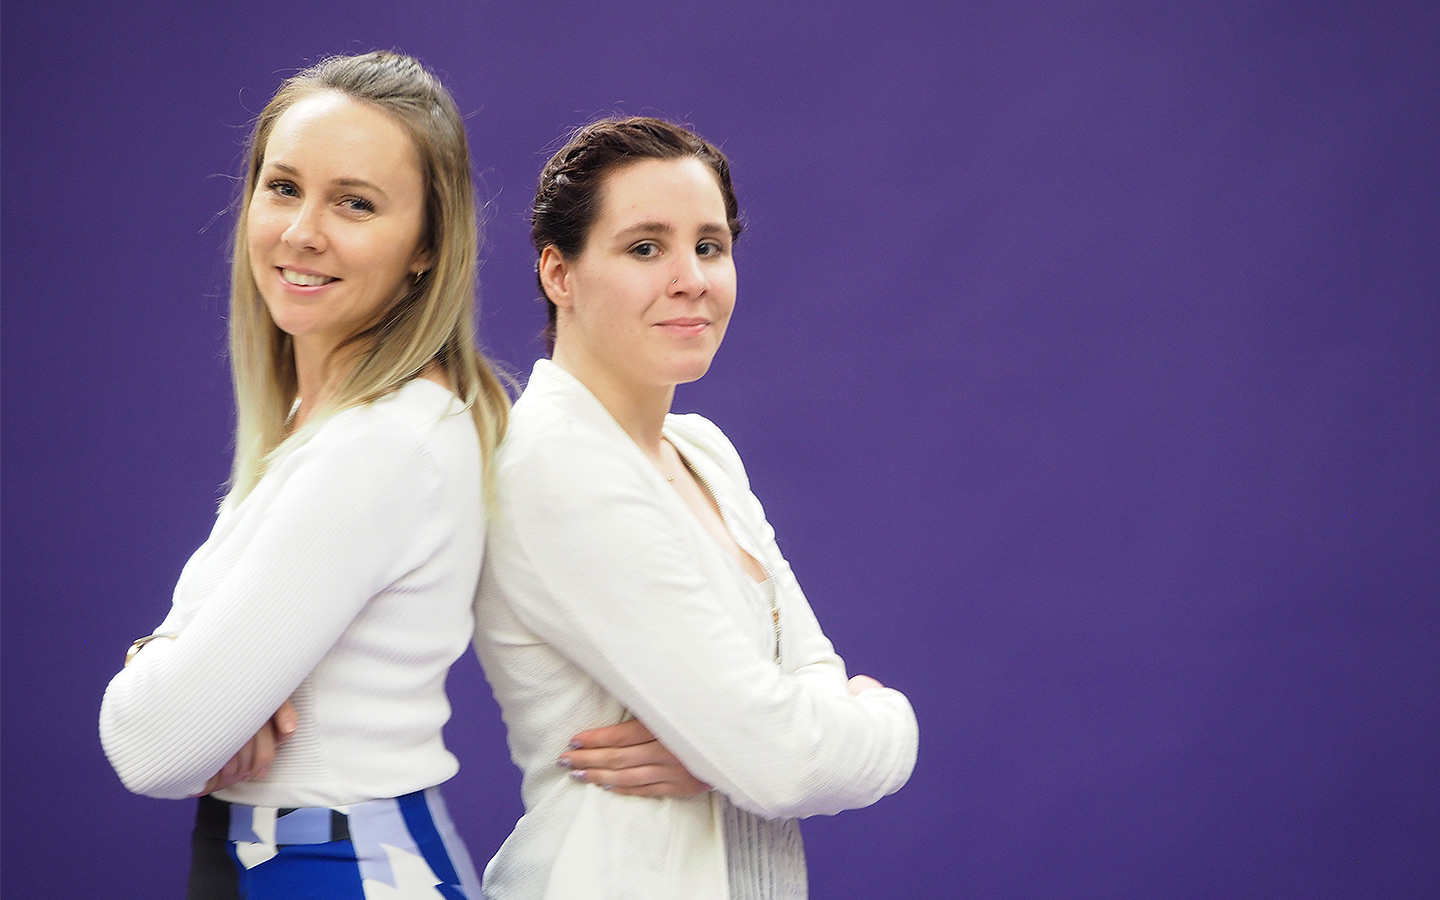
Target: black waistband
{"points": [[213, 817]]}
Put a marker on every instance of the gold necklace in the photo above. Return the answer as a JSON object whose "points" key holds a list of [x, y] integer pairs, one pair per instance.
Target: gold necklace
{"points": [[676, 474]]}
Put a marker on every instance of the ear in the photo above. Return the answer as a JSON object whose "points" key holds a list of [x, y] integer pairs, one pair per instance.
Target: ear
{"points": [[555, 274], [423, 260]]}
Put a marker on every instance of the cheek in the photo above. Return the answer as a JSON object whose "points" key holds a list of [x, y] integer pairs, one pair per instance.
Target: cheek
{"points": [[397, 268], [598, 298], [393, 250], [725, 293], [256, 254], [262, 235], [260, 229]]}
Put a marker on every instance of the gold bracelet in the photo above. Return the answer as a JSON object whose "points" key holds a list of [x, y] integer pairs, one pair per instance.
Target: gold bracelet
{"points": [[135, 647]]}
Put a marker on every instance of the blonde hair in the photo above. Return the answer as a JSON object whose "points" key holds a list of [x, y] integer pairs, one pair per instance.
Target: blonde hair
{"points": [[432, 322]]}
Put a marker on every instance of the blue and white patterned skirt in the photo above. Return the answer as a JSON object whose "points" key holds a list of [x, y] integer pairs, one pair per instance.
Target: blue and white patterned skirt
{"points": [[404, 847]]}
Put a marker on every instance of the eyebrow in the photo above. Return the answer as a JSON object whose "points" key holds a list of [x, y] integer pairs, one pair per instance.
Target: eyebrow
{"points": [[339, 182], [667, 229]]}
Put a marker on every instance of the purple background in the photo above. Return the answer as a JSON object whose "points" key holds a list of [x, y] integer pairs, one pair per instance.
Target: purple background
{"points": [[1086, 360]]}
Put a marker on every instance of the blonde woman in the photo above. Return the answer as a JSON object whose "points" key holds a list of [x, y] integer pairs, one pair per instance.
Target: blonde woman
{"points": [[342, 567], [631, 572]]}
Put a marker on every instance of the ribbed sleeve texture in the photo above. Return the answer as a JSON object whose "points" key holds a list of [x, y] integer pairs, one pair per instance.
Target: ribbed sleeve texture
{"points": [[344, 580]]}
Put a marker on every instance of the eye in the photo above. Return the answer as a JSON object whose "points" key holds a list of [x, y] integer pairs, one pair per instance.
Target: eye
{"points": [[282, 188], [358, 205], [709, 248], [645, 249]]}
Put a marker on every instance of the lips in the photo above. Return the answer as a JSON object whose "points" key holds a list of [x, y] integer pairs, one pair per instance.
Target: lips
{"points": [[304, 279], [685, 328], [685, 324]]}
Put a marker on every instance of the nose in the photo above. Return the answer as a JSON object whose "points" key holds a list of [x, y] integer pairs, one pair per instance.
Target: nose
{"points": [[305, 231], [689, 276]]}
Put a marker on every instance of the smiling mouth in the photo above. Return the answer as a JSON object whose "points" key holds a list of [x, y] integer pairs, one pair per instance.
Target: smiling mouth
{"points": [[300, 279], [684, 329]]}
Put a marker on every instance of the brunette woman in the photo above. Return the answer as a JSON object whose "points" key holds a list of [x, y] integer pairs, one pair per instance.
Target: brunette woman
{"points": [[631, 572]]}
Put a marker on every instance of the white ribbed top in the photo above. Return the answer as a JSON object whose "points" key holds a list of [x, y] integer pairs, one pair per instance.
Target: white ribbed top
{"points": [[764, 858], [345, 579]]}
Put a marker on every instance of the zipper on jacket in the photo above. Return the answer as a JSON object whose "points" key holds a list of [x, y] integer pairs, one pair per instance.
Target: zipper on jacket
{"points": [[769, 576]]}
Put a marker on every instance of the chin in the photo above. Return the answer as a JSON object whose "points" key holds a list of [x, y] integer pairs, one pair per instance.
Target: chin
{"points": [[292, 327], [689, 373], [287, 319]]}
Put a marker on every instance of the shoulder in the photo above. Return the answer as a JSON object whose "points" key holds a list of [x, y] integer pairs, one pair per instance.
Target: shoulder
{"points": [[558, 424], [407, 439], [419, 412], [552, 398], [700, 431], [419, 408], [564, 452], [566, 460]]}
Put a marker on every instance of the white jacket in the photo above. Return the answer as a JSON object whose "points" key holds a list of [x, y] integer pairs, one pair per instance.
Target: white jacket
{"points": [[602, 596]]}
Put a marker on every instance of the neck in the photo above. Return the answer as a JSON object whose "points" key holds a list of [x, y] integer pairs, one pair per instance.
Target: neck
{"points": [[639, 410], [317, 371]]}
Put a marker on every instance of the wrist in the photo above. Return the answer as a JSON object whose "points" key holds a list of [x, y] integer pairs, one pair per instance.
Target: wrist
{"points": [[139, 645]]}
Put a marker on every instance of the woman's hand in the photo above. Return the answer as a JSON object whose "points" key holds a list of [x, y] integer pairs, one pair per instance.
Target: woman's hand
{"points": [[859, 684], [254, 759], [627, 759]]}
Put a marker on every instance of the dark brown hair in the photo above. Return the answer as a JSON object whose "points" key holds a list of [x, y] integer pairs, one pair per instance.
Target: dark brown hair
{"points": [[569, 196]]}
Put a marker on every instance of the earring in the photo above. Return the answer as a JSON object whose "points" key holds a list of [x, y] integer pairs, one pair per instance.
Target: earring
{"points": [[418, 275]]}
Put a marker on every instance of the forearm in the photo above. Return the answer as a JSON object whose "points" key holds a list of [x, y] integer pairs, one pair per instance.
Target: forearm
{"points": [[625, 585], [781, 744], [182, 708], [802, 751], [165, 730], [268, 600]]}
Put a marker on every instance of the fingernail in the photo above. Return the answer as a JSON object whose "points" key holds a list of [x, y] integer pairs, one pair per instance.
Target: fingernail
{"points": [[563, 763], [576, 745], [578, 774], [608, 787]]}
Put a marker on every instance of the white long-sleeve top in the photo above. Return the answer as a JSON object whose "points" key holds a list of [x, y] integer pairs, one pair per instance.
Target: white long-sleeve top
{"points": [[346, 581], [602, 596]]}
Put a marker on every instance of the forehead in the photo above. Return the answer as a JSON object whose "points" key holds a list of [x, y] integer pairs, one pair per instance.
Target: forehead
{"points": [[332, 131], [674, 191]]}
